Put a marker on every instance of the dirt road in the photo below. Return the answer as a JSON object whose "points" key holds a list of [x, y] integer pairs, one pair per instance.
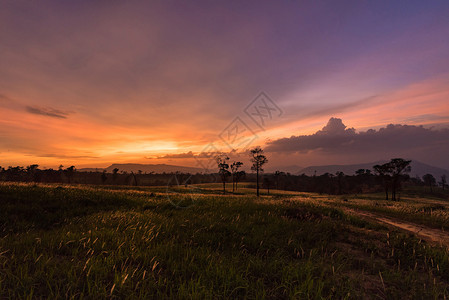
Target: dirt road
{"points": [[432, 235]]}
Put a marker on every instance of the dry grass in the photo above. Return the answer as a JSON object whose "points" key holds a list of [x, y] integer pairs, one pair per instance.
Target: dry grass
{"points": [[120, 242]]}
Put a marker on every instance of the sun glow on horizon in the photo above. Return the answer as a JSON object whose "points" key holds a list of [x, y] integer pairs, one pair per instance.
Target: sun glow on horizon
{"points": [[156, 84]]}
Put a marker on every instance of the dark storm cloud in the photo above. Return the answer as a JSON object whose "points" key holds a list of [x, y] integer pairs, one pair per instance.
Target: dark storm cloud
{"points": [[336, 138], [48, 112]]}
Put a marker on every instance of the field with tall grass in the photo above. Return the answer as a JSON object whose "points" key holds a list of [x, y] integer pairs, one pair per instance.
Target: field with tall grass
{"points": [[62, 241]]}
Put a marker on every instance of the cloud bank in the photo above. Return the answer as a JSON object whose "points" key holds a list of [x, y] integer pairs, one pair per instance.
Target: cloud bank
{"points": [[336, 138]]}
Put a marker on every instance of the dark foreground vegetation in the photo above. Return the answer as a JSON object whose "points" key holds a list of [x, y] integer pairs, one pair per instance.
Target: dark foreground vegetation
{"points": [[62, 241]]}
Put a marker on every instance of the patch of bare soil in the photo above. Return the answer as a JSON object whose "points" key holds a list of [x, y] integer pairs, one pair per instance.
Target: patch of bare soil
{"points": [[432, 235]]}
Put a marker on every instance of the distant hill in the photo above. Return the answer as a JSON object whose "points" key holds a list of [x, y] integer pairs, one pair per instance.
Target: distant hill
{"points": [[287, 169], [146, 168], [332, 169], [418, 169]]}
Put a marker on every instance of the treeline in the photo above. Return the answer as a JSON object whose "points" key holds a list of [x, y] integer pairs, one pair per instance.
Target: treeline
{"points": [[390, 178], [70, 175]]}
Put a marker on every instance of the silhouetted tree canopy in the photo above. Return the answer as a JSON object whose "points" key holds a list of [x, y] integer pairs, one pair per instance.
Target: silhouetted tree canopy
{"points": [[258, 159]]}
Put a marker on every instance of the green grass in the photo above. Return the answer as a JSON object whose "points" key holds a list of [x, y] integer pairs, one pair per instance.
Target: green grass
{"points": [[88, 242], [414, 206]]}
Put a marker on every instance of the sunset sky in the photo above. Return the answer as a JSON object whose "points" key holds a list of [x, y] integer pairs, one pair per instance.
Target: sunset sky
{"points": [[90, 83]]}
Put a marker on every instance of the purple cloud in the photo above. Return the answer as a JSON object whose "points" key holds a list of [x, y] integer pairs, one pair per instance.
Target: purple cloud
{"points": [[336, 138]]}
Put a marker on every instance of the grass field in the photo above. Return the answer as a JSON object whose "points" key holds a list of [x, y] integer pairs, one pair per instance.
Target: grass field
{"points": [[121, 242]]}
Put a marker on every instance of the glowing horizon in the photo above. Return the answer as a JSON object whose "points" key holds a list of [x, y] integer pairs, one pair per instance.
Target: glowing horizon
{"points": [[94, 84]]}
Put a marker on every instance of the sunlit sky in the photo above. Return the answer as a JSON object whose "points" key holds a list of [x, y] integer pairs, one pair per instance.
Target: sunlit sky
{"points": [[90, 83]]}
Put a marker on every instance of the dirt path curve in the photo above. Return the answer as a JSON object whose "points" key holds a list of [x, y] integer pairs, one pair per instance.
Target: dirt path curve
{"points": [[432, 235]]}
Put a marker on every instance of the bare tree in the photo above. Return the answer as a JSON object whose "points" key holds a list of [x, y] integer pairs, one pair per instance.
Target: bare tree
{"points": [[258, 159]]}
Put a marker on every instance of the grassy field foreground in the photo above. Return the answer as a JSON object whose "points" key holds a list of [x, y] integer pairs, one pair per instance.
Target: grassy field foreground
{"points": [[100, 242]]}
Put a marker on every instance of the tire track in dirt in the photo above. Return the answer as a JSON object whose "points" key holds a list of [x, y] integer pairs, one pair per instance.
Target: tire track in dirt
{"points": [[432, 235]]}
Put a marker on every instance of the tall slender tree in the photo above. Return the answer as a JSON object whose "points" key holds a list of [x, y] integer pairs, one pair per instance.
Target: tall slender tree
{"points": [[235, 166], [258, 159], [238, 176], [223, 169]]}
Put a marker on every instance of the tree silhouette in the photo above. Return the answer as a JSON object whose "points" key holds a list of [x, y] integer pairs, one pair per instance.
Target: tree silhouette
{"points": [[384, 173], [70, 172], [61, 172], [258, 159], [398, 166], [115, 174], [360, 172], [340, 176], [394, 171], [223, 169], [277, 176], [235, 166], [429, 180], [104, 177], [267, 184], [443, 181], [134, 178], [363, 177], [32, 172], [239, 175]]}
